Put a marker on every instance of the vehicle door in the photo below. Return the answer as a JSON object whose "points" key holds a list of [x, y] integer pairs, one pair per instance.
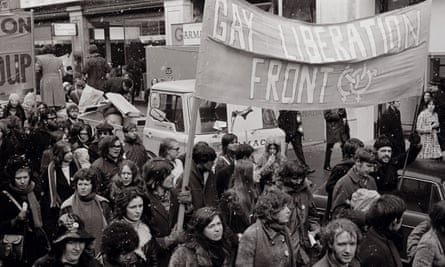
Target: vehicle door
{"points": [[165, 118], [419, 196]]}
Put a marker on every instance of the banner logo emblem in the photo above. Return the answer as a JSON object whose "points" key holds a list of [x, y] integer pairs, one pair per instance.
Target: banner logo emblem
{"points": [[356, 82]]}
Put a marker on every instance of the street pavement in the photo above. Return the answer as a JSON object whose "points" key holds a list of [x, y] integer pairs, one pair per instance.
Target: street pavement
{"points": [[314, 155]]}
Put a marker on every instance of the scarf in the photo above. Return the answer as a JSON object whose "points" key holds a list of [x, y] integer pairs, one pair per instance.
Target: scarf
{"points": [[34, 205], [54, 197]]}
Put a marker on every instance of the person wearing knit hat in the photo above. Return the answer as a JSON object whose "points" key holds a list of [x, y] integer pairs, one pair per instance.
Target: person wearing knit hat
{"points": [[71, 246], [386, 172]]}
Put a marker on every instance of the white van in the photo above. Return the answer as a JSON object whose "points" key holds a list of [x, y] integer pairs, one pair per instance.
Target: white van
{"points": [[168, 115]]}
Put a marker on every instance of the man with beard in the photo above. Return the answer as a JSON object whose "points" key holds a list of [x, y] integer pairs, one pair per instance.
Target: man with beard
{"points": [[387, 166], [340, 238], [357, 177], [303, 211], [134, 150], [382, 243], [40, 137]]}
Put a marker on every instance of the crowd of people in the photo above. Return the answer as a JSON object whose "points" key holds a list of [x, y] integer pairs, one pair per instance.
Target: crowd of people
{"points": [[77, 195]]}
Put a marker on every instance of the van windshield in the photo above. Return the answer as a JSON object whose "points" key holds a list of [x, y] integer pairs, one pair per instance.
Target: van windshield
{"points": [[171, 107]]}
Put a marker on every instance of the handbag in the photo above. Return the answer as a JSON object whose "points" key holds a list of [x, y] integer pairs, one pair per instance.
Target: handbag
{"points": [[11, 245]]}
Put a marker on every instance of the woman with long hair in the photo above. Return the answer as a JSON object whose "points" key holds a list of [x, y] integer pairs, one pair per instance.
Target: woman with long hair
{"points": [[238, 203], [208, 242], [428, 127], [93, 209], [81, 135], [225, 163], [129, 208], [128, 176], [20, 212]]}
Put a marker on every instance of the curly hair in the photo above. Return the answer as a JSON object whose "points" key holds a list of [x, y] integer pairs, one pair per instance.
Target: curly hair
{"points": [[87, 174], [106, 143], [123, 198], [270, 203], [203, 153], [337, 227], [155, 171], [118, 238]]}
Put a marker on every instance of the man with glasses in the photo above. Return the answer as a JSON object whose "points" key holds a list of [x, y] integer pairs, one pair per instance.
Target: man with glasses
{"points": [[169, 149], [111, 151]]}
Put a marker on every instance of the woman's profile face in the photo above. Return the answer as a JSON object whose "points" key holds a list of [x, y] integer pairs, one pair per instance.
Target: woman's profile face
{"points": [[134, 209], [214, 230], [283, 215], [126, 175], [22, 178]]}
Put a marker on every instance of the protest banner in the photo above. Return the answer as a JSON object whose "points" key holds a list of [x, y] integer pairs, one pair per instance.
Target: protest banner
{"points": [[16, 52], [251, 57]]}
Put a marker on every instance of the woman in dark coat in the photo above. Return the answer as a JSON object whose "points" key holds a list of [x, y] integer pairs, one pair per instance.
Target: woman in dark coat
{"points": [[14, 108], [57, 184], [163, 206], [208, 244], [20, 212]]}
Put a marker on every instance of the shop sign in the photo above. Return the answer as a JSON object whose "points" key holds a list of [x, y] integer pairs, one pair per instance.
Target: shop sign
{"points": [[38, 3], [259, 59], [16, 52], [64, 29], [186, 33]]}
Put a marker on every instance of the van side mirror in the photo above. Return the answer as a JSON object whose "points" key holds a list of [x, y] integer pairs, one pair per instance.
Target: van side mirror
{"points": [[158, 115]]}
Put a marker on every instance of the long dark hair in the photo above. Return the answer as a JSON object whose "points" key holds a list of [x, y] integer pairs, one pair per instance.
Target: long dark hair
{"points": [[243, 187]]}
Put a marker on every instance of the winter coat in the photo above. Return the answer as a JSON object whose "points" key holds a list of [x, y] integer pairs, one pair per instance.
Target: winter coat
{"points": [[339, 170], [261, 246], [202, 194], [414, 238], [430, 251], [107, 169], [377, 250], [337, 129], [194, 255], [386, 175], [344, 189], [326, 261], [96, 68], [303, 218], [290, 122], [51, 88], [135, 151], [224, 168], [161, 223], [391, 127], [35, 243]]}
